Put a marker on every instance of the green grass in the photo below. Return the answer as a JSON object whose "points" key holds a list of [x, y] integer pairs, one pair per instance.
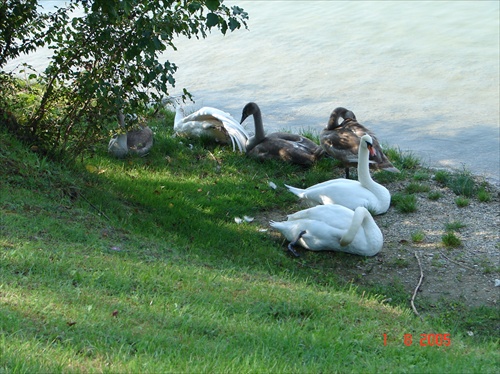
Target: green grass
{"points": [[451, 240], [421, 175], [461, 183], [442, 176], [454, 226], [415, 187], [402, 160], [434, 195], [483, 195], [462, 201], [404, 203], [418, 237], [407, 163], [137, 265]]}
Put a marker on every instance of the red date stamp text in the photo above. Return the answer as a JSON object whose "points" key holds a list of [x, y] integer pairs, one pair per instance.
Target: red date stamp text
{"points": [[426, 340]]}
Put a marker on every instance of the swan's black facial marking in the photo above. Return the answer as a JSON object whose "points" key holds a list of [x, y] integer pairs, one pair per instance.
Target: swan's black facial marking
{"points": [[371, 150]]}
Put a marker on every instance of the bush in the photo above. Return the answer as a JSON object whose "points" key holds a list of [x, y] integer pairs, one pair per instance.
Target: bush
{"points": [[92, 76]]}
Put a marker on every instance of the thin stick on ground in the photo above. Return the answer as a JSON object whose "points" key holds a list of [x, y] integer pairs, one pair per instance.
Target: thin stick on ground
{"points": [[455, 262], [418, 286], [96, 208]]}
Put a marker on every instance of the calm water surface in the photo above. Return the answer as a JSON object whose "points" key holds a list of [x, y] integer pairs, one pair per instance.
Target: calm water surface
{"points": [[423, 76]]}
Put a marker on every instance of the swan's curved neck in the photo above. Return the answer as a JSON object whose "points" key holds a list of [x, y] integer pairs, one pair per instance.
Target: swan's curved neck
{"points": [[360, 218], [364, 176], [253, 109], [259, 126], [333, 122]]}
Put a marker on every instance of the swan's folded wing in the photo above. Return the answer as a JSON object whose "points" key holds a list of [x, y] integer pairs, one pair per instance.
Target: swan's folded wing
{"points": [[237, 134], [200, 116], [331, 214], [235, 130], [208, 114], [207, 117]]}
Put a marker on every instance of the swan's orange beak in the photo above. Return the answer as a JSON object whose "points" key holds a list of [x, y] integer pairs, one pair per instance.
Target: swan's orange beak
{"points": [[371, 150]]}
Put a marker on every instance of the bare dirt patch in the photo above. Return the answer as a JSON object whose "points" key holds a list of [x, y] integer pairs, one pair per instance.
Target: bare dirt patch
{"points": [[466, 273]]}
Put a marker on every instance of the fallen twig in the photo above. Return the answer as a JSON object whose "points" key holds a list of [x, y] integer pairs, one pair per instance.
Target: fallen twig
{"points": [[418, 286], [455, 262], [214, 158], [96, 208]]}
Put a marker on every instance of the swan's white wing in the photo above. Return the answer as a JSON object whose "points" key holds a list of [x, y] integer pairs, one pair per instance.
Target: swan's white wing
{"points": [[207, 117], [237, 133], [346, 192]]}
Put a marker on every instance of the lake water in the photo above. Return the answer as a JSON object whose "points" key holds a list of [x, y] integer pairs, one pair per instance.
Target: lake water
{"points": [[424, 76]]}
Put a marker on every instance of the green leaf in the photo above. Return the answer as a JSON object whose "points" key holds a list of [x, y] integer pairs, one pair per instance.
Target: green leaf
{"points": [[212, 20], [234, 24], [213, 4], [194, 6]]}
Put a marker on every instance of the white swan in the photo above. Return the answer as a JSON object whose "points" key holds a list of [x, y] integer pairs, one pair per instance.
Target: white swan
{"points": [[341, 141], [137, 141], [332, 228], [283, 146], [349, 193], [213, 124]]}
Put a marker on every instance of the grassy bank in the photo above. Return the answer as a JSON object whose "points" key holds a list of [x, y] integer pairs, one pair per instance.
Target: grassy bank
{"points": [[139, 265]]}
